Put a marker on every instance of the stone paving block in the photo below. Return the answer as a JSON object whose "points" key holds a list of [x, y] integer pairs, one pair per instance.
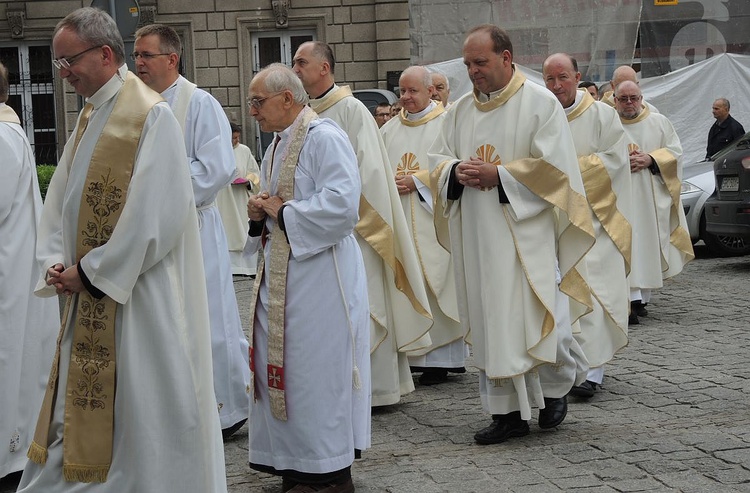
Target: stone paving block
{"points": [[731, 476], [645, 484], [735, 456]]}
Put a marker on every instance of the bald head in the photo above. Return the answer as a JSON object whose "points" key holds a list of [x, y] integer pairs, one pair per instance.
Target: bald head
{"points": [[415, 86], [561, 76], [314, 64], [628, 100], [621, 74]]}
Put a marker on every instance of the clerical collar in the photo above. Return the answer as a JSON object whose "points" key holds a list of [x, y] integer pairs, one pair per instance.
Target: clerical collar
{"points": [[110, 88], [416, 116], [334, 86], [579, 98]]}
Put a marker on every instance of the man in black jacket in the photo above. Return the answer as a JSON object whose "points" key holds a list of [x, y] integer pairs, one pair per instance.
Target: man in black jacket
{"points": [[724, 130]]}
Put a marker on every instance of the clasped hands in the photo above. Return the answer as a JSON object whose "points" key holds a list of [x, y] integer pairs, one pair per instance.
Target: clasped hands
{"points": [[405, 184], [261, 205], [66, 281], [639, 161], [478, 174]]}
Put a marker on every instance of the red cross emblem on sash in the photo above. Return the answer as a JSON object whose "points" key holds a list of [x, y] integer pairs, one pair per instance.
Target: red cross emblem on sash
{"points": [[276, 377]]}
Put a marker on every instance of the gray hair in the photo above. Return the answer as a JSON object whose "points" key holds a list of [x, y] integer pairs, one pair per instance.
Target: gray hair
{"points": [[724, 101], [426, 76], [96, 27], [445, 78], [278, 77]]}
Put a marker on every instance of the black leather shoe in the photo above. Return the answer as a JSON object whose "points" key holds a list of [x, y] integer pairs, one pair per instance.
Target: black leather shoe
{"points": [[586, 390], [433, 376], [228, 432], [503, 427], [633, 319], [553, 413], [639, 308]]}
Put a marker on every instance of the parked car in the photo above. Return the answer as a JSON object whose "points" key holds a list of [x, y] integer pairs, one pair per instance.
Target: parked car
{"points": [[728, 210], [698, 184], [373, 97]]}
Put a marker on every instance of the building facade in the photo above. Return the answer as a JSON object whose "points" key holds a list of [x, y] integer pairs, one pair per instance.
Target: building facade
{"points": [[225, 43]]}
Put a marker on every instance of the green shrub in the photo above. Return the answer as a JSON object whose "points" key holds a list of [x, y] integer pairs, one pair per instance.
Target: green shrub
{"points": [[44, 173]]}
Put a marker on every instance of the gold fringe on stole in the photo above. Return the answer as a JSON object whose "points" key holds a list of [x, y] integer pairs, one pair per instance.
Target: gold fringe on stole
{"points": [[603, 201], [37, 454], [85, 474], [90, 393], [668, 167]]}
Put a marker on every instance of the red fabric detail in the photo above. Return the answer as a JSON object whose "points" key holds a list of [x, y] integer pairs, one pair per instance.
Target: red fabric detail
{"points": [[276, 377], [251, 354]]}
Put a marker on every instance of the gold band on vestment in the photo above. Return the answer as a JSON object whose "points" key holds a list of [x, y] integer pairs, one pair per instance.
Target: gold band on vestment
{"points": [[667, 164]]}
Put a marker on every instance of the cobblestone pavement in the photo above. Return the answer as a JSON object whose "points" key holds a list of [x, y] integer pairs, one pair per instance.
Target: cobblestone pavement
{"points": [[673, 414]]}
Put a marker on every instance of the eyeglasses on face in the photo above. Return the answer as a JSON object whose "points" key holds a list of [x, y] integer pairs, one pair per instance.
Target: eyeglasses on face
{"points": [[146, 55], [632, 99], [65, 63], [257, 103]]}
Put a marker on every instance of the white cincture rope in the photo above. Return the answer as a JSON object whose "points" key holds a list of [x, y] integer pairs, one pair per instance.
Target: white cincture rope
{"points": [[355, 369]]}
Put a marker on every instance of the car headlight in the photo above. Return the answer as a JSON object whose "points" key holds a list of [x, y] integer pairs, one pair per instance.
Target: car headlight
{"points": [[688, 187]]}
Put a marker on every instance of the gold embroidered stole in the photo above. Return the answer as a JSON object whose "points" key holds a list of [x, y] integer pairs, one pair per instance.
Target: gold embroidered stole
{"points": [[277, 271], [91, 380]]}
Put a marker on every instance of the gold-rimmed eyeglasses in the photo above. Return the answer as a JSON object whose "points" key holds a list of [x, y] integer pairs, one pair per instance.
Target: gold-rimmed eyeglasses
{"points": [[146, 55], [257, 103], [65, 63]]}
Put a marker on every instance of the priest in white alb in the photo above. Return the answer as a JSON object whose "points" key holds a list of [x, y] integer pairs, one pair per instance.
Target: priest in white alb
{"points": [[509, 186], [407, 138], [399, 310], [129, 406], [232, 203], [603, 159], [29, 323], [211, 162], [661, 242], [310, 414]]}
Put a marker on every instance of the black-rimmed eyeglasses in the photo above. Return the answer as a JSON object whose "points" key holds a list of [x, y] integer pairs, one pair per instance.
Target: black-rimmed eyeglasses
{"points": [[146, 55], [65, 63], [625, 99]]}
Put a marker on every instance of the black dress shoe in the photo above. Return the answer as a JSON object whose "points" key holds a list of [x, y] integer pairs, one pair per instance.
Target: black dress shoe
{"points": [[585, 390], [639, 308], [228, 432], [633, 319], [553, 413], [433, 376], [503, 427]]}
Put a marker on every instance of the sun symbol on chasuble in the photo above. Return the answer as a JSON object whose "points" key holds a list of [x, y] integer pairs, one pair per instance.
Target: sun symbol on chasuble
{"points": [[487, 154], [632, 148], [408, 165]]}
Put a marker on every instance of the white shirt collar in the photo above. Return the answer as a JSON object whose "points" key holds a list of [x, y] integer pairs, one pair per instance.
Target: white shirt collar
{"points": [[110, 88]]}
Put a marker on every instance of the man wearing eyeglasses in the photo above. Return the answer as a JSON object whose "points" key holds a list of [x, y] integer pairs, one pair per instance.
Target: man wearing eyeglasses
{"points": [[603, 159], [661, 243], [400, 310], [130, 399], [620, 75], [212, 167], [382, 113]]}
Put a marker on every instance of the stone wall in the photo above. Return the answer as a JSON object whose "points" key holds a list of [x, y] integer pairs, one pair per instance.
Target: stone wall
{"points": [[369, 38]]}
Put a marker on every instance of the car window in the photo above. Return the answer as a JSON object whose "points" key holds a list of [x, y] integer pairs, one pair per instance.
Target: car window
{"points": [[744, 139]]}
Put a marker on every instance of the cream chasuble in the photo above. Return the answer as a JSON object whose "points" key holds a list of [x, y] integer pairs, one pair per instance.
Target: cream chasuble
{"points": [[603, 158], [150, 267], [399, 308], [407, 142], [661, 242], [506, 256], [29, 323], [232, 203]]}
